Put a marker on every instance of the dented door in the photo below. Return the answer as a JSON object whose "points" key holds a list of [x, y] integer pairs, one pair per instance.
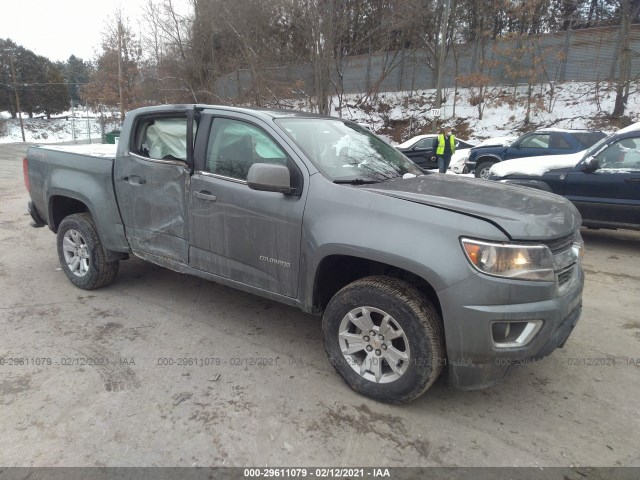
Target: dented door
{"points": [[246, 235], [151, 184]]}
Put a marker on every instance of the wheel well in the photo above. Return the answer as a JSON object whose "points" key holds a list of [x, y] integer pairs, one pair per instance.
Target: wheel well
{"points": [[337, 271], [540, 185], [481, 160], [62, 207]]}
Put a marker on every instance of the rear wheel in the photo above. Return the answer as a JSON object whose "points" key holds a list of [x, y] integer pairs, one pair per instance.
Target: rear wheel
{"points": [[81, 254], [384, 338], [483, 169]]}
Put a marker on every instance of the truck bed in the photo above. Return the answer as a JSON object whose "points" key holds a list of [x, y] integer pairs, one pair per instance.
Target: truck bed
{"points": [[90, 150], [60, 175]]}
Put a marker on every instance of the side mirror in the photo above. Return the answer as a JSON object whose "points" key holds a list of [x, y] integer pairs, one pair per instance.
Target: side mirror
{"points": [[590, 165], [268, 177]]}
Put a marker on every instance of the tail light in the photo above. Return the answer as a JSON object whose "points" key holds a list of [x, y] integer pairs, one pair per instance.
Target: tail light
{"points": [[25, 171]]}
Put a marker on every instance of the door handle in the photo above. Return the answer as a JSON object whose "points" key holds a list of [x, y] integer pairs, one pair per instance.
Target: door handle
{"points": [[632, 180], [206, 196], [134, 180]]}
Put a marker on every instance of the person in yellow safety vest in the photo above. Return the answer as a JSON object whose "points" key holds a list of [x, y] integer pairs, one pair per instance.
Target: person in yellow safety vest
{"points": [[443, 147]]}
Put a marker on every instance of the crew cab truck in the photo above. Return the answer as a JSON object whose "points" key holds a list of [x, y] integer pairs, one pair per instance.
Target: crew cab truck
{"points": [[412, 273], [549, 141]]}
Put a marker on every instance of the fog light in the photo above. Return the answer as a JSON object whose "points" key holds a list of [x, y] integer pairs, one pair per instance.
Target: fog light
{"points": [[514, 334]]}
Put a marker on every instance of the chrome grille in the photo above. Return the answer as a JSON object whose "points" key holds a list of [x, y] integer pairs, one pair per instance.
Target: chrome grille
{"points": [[564, 259], [564, 276], [561, 244]]}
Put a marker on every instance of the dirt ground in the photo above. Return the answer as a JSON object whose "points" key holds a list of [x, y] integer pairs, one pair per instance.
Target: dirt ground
{"points": [[257, 388]]}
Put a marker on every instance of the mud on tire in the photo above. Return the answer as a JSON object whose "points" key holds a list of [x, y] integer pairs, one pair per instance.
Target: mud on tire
{"points": [[403, 329], [82, 257]]}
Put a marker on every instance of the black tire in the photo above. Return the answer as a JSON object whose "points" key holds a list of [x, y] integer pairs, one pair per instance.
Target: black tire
{"points": [[481, 167], [409, 310], [99, 272]]}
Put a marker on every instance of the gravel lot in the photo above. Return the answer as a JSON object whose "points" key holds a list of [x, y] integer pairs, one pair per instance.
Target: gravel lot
{"points": [[577, 407]]}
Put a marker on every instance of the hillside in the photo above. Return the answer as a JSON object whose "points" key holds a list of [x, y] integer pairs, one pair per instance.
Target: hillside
{"points": [[400, 115]]}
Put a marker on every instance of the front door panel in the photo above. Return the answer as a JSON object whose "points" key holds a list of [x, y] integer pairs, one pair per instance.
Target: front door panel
{"points": [[249, 236], [612, 192]]}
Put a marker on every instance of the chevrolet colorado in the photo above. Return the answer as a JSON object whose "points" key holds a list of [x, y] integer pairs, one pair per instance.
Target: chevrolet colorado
{"points": [[412, 273]]}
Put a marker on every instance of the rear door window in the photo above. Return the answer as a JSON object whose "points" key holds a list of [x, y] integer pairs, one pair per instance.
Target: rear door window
{"points": [[536, 140], [162, 138], [586, 139], [558, 141]]}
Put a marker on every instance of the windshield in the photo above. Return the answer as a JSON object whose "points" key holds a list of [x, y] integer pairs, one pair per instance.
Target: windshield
{"points": [[593, 149], [346, 152]]}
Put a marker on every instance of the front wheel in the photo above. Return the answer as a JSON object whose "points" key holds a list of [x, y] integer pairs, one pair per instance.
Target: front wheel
{"points": [[483, 169], [81, 254], [384, 338]]}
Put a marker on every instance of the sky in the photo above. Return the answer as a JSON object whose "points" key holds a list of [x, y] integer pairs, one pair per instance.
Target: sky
{"points": [[57, 29]]}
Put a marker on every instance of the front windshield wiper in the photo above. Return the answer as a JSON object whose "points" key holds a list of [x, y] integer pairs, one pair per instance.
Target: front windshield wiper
{"points": [[355, 181]]}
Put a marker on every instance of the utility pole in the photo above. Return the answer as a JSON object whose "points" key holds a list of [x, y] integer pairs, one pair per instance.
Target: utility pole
{"points": [[441, 59], [86, 109], [15, 91], [120, 67], [73, 122]]}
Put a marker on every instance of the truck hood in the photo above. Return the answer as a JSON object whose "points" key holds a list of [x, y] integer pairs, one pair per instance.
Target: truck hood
{"points": [[522, 213], [495, 149]]}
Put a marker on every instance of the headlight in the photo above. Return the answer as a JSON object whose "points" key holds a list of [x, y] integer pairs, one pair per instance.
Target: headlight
{"points": [[578, 247], [521, 262]]}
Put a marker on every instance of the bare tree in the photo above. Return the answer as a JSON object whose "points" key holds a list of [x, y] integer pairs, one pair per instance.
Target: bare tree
{"points": [[119, 45], [629, 10]]}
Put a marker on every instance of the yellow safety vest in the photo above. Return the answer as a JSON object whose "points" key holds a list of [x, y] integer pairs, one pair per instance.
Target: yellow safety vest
{"points": [[441, 140]]}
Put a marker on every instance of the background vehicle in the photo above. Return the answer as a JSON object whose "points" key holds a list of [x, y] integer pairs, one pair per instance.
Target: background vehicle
{"points": [[459, 158], [316, 212], [548, 141], [602, 182], [420, 150]]}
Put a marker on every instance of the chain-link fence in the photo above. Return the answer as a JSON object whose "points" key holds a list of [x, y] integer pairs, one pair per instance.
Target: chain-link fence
{"points": [[586, 55]]}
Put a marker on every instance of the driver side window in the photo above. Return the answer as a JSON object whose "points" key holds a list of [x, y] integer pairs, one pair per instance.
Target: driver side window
{"points": [[235, 145], [623, 154]]}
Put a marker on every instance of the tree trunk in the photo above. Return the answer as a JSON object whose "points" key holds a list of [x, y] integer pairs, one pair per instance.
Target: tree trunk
{"points": [[622, 86], [527, 116], [322, 80]]}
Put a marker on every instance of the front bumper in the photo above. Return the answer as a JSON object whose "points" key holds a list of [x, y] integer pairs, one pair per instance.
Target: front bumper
{"points": [[470, 165], [474, 359]]}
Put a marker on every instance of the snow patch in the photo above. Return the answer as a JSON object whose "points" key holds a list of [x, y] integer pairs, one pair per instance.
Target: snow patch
{"points": [[536, 165], [105, 150]]}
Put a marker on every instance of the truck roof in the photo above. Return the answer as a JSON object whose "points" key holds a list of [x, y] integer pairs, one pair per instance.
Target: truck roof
{"points": [[258, 112], [565, 130]]}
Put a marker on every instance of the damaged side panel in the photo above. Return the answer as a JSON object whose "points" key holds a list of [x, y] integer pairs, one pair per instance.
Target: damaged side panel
{"points": [[249, 236], [151, 195]]}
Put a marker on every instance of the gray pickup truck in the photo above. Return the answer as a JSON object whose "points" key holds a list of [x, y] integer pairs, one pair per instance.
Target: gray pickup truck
{"points": [[412, 273]]}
